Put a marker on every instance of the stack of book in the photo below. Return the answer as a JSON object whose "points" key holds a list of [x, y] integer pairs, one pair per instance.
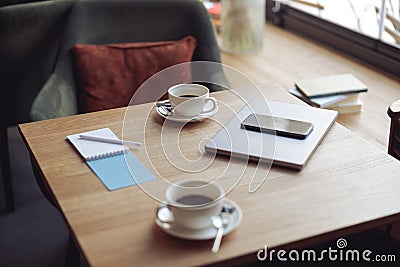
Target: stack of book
{"points": [[336, 92]]}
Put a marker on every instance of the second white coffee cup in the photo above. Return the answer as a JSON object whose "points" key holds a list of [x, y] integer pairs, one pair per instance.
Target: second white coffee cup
{"points": [[193, 203], [191, 100]]}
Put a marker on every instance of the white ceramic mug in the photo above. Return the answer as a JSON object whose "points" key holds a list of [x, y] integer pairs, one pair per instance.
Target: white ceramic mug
{"points": [[190, 100], [193, 203]]}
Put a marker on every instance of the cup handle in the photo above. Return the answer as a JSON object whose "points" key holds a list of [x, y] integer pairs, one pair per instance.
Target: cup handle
{"points": [[215, 106], [164, 214]]}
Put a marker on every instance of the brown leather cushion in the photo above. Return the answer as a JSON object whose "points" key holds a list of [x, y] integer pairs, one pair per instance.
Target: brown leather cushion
{"points": [[110, 74]]}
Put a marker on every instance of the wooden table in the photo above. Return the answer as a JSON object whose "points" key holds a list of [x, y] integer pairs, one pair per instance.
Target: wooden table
{"points": [[347, 186]]}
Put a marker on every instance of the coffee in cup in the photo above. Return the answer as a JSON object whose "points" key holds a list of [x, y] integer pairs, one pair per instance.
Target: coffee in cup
{"points": [[191, 100], [193, 203]]}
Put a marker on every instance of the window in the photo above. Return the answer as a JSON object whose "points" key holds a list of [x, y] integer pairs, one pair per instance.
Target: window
{"points": [[366, 29]]}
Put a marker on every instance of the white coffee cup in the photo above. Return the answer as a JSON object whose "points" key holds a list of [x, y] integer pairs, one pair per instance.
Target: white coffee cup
{"points": [[190, 100], [193, 203]]}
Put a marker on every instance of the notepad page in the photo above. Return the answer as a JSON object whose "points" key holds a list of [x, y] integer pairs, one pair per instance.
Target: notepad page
{"points": [[120, 171], [91, 150]]}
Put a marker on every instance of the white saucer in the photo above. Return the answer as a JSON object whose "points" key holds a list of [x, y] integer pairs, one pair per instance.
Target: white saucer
{"points": [[235, 219], [180, 118]]}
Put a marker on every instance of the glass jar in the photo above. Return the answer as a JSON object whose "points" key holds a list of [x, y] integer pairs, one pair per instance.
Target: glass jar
{"points": [[242, 27]]}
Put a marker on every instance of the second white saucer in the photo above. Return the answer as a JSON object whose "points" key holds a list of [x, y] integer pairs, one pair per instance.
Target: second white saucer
{"points": [[235, 219]]}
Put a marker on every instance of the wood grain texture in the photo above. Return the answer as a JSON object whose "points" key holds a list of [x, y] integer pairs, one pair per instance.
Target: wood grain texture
{"points": [[287, 57], [347, 186]]}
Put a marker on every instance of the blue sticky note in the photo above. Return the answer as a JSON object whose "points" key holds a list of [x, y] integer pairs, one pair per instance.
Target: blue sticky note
{"points": [[115, 174]]}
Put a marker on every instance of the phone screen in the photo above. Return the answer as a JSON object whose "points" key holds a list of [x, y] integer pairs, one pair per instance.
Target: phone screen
{"points": [[279, 126]]}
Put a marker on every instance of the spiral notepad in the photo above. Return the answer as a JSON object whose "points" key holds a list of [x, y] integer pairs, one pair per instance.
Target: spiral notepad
{"points": [[91, 150], [114, 164]]}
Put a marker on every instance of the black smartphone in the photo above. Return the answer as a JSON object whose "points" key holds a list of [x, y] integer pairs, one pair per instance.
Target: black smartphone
{"points": [[279, 126]]}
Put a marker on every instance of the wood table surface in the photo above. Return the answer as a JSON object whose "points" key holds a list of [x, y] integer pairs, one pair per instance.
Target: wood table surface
{"points": [[347, 186]]}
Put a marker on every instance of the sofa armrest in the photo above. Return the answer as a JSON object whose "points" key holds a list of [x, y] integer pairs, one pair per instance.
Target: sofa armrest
{"points": [[57, 98]]}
